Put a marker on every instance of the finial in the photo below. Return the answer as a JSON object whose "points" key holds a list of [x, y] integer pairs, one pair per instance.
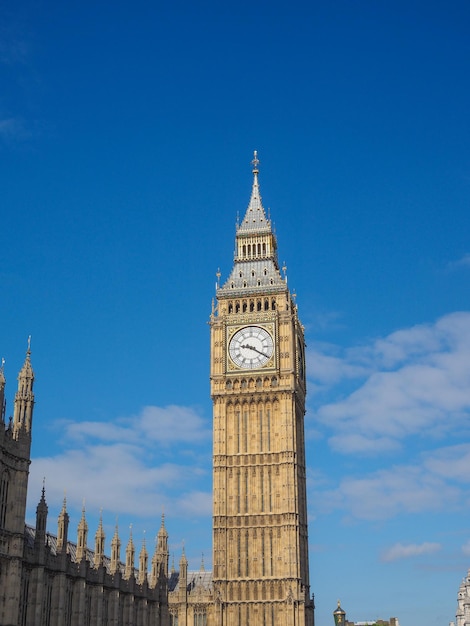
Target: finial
{"points": [[218, 274], [3, 363], [255, 162], [43, 487], [29, 345], [202, 562]]}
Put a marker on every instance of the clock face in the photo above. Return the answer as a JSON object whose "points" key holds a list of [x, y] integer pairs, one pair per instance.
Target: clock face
{"points": [[251, 347]]}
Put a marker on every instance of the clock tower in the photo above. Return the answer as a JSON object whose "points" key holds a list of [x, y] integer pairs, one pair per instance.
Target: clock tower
{"points": [[258, 387]]}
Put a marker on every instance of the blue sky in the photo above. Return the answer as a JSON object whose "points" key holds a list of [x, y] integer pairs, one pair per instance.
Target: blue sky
{"points": [[126, 135]]}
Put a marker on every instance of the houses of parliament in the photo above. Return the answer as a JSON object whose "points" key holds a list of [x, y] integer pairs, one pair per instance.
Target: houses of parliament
{"points": [[260, 560]]}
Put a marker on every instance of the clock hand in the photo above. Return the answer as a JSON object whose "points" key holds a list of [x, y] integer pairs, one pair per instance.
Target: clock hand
{"points": [[253, 348]]}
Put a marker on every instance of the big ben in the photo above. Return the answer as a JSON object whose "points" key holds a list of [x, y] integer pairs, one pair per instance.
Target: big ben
{"points": [[258, 387]]}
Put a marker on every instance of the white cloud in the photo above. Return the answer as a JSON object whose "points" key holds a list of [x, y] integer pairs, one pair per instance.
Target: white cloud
{"points": [[142, 463], [163, 425], [466, 548], [406, 551], [462, 262], [12, 128], [413, 382], [389, 492]]}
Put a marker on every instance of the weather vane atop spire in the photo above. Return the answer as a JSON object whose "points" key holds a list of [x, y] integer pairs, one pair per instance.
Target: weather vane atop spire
{"points": [[255, 162]]}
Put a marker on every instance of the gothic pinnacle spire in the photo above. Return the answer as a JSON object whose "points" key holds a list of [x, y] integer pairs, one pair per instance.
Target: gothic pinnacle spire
{"points": [[24, 398], [255, 216]]}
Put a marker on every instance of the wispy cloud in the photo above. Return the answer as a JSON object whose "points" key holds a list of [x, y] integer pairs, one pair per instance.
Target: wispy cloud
{"points": [[407, 551], [463, 262], [386, 493], [413, 382], [407, 391], [12, 128], [141, 463]]}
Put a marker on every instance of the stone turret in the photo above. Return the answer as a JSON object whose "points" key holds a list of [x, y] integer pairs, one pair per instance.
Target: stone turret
{"points": [[143, 563], [130, 557], [161, 550], [183, 580], [99, 544], [82, 537], [115, 551], [24, 400], [63, 529], [41, 524]]}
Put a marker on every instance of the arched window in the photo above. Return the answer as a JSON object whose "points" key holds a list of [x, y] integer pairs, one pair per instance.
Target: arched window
{"points": [[244, 304], [230, 308]]}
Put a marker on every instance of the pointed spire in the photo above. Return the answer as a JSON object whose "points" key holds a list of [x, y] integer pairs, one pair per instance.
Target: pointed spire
{"points": [[99, 543], [183, 565], [162, 554], [255, 219], [143, 562], [203, 569], [41, 515], [24, 398], [82, 536], [256, 265], [115, 551], [130, 556], [63, 528]]}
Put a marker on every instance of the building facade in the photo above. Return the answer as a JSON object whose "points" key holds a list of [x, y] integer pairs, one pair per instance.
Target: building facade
{"points": [[260, 539], [462, 617], [258, 387]]}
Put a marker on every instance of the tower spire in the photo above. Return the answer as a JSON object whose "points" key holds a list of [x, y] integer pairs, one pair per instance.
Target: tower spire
{"points": [[115, 551], [256, 266], [130, 556], [99, 543], [82, 536], [62, 528], [24, 398]]}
